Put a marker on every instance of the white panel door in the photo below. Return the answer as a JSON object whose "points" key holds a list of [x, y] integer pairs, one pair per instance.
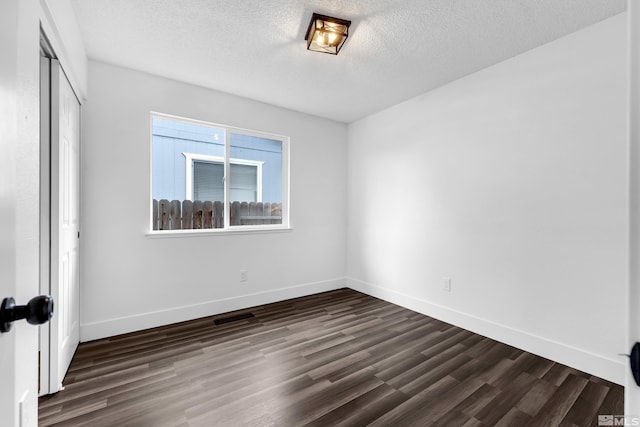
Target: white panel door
{"points": [[18, 117], [9, 353], [65, 225]]}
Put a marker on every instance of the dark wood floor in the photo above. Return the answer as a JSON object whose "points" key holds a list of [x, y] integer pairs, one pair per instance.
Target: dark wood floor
{"points": [[337, 358]]}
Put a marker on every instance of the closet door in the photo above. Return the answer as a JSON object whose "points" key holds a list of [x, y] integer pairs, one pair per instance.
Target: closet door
{"points": [[65, 225]]}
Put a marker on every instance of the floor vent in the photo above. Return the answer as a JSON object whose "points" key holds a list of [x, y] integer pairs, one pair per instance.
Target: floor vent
{"points": [[224, 320]]}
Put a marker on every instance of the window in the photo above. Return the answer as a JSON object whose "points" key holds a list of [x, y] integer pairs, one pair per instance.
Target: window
{"points": [[208, 176], [205, 178]]}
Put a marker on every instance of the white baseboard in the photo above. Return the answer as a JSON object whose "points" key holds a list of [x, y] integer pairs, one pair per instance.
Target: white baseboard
{"points": [[122, 325], [594, 364]]}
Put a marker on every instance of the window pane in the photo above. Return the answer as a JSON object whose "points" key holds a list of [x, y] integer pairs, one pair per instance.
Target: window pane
{"points": [[255, 191], [208, 181], [244, 183]]}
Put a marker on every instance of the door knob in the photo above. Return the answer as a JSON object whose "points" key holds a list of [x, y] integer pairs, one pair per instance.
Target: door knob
{"points": [[38, 310], [635, 362]]}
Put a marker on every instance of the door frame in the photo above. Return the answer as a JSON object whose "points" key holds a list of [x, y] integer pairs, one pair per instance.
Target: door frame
{"points": [[631, 390], [44, 386]]}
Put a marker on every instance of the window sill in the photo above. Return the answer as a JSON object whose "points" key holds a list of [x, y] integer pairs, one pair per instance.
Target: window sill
{"points": [[161, 234]]}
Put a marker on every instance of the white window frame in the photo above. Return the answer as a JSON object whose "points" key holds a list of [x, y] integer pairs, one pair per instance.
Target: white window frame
{"points": [[228, 229], [190, 157]]}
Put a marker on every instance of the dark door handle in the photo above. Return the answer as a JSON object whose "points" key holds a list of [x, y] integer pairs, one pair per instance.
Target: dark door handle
{"points": [[38, 310], [634, 358]]}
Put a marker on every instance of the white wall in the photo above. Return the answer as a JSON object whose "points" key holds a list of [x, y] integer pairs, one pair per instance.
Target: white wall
{"points": [[130, 281], [512, 182]]}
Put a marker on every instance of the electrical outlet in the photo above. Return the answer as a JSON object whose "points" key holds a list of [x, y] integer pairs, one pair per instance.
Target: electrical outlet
{"points": [[244, 275], [446, 284]]}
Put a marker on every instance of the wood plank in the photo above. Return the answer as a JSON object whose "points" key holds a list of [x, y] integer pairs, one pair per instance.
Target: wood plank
{"points": [[234, 212], [198, 214], [362, 410], [266, 213], [164, 212], [514, 417], [506, 400], [175, 215], [613, 403], [477, 401], [276, 212], [554, 411], [403, 413], [154, 215], [218, 214], [585, 409], [536, 398], [244, 212], [187, 214], [207, 214], [254, 213]]}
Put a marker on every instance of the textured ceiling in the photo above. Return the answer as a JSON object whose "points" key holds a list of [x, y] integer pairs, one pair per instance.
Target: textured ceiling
{"points": [[397, 49]]}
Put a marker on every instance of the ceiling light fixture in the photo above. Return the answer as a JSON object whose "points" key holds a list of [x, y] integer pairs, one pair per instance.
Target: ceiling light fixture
{"points": [[326, 34]]}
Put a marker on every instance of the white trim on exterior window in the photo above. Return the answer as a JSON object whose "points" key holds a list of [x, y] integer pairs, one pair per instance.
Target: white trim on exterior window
{"points": [[191, 157]]}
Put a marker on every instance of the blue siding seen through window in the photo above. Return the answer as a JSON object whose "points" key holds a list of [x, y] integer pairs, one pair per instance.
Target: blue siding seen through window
{"points": [[171, 139]]}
